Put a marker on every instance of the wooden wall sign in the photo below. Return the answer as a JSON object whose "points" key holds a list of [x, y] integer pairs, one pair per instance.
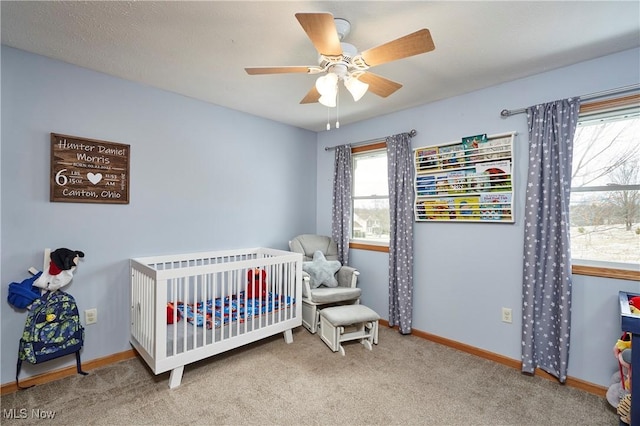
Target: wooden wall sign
{"points": [[88, 171]]}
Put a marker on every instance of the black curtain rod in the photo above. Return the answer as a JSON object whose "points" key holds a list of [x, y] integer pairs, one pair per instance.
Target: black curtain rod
{"points": [[633, 87], [411, 133]]}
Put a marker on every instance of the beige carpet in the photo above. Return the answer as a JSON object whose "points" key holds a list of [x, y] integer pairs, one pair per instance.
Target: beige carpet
{"points": [[405, 380]]}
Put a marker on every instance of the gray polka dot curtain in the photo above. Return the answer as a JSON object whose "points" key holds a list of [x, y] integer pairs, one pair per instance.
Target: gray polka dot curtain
{"points": [[546, 290], [401, 196], [341, 217]]}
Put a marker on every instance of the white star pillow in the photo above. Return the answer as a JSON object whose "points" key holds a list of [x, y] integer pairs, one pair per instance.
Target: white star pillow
{"points": [[321, 270]]}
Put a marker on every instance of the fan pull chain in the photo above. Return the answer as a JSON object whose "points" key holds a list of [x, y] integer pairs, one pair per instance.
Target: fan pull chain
{"points": [[328, 125], [338, 110]]}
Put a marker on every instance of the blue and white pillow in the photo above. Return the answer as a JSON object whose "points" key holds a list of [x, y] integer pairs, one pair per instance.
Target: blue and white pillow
{"points": [[321, 270]]}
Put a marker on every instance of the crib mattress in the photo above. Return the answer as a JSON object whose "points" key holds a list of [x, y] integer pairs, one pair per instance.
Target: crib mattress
{"points": [[223, 318]]}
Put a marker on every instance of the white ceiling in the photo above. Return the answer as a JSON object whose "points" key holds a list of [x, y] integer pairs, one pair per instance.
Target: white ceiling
{"points": [[200, 49]]}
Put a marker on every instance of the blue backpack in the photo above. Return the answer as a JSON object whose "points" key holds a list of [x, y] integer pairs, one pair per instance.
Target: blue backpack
{"points": [[52, 329]]}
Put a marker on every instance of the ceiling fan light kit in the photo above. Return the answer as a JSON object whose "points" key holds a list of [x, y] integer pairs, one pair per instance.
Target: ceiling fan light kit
{"points": [[355, 87], [327, 86], [341, 61]]}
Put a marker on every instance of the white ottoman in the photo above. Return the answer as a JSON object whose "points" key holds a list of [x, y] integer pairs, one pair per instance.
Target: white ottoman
{"points": [[361, 320]]}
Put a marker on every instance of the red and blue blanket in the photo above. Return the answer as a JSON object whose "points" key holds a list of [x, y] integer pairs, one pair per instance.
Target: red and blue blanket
{"points": [[220, 311]]}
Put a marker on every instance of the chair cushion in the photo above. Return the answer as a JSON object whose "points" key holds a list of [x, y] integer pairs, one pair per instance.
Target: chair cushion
{"points": [[321, 271], [308, 244], [349, 314], [323, 295]]}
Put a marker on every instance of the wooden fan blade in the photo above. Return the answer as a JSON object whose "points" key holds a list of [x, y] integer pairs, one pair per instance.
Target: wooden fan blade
{"points": [[278, 70], [311, 97], [321, 30], [403, 47], [379, 85]]}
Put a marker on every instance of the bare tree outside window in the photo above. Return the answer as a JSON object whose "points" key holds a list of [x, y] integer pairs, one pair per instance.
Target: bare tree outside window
{"points": [[605, 194], [624, 203]]}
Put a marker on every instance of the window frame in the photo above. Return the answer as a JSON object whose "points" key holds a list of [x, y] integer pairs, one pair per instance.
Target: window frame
{"points": [[360, 244], [595, 268], [591, 268]]}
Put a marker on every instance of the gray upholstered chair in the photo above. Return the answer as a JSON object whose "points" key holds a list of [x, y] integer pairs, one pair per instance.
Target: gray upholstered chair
{"points": [[314, 299]]}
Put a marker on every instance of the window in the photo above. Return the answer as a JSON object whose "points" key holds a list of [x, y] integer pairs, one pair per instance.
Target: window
{"points": [[370, 198], [605, 193]]}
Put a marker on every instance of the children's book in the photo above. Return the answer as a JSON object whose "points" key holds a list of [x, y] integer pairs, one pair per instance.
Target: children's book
{"points": [[475, 181], [442, 184], [495, 149], [471, 145], [426, 185], [467, 208], [427, 159], [439, 209], [493, 176], [452, 156], [495, 206], [457, 181]]}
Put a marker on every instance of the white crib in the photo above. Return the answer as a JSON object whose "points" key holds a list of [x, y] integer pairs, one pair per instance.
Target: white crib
{"points": [[188, 307]]}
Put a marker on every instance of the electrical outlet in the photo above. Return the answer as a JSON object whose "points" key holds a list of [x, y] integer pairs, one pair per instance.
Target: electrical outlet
{"points": [[91, 316], [506, 315]]}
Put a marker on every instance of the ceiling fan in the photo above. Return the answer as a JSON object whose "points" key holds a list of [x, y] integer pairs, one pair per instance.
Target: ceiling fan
{"points": [[341, 61]]}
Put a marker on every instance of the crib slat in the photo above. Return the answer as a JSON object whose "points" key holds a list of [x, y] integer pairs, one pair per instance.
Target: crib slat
{"points": [[189, 281]]}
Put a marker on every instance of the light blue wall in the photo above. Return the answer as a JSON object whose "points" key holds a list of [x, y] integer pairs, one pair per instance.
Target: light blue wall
{"points": [[465, 273], [202, 177], [205, 177]]}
